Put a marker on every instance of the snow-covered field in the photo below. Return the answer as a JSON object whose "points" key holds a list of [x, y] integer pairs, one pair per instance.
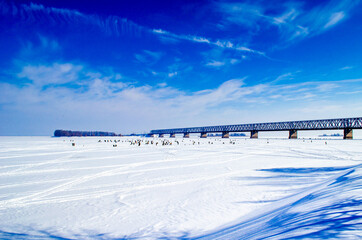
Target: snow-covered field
{"points": [[212, 188]]}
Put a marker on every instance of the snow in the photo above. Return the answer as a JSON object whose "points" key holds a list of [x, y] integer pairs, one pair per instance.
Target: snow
{"points": [[211, 188]]}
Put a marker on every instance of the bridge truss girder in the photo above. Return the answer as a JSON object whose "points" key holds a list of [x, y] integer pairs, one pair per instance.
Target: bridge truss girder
{"points": [[325, 124]]}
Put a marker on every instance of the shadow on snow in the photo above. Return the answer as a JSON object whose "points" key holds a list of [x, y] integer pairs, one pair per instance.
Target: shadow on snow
{"points": [[329, 210]]}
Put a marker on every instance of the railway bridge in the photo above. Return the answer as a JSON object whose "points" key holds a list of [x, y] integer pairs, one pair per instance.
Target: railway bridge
{"points": [[345, 124]]}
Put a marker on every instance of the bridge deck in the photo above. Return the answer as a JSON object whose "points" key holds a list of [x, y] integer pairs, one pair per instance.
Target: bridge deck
{"points": [[325, 124]]}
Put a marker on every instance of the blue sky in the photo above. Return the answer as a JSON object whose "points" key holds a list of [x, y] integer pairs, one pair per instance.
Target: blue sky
{"points": [[140, 65]]}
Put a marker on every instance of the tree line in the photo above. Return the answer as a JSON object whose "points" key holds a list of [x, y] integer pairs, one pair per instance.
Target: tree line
{"points": [[69, 133]]}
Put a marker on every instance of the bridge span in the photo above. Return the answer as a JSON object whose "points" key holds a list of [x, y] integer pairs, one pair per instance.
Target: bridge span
{"points": [[345, 124]]}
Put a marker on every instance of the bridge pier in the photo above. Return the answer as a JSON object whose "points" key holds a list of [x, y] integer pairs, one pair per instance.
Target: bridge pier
{"points": [[225, 134], [172, 135], [186, 135], [161, 135], [347, 133], [293, 134], [254, 134], [203, 135]]}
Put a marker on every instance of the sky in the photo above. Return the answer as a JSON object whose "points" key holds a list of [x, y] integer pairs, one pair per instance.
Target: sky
{"points": [[133, 66]]}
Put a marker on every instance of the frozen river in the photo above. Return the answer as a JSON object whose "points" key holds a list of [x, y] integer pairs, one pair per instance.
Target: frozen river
{"points": [[236, 188]]}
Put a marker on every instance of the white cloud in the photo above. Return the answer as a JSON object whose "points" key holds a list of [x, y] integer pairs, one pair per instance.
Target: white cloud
{"points": [[162, 85], [172, 74], [334, 19], [325, 109], [215, 64], [324, 16], [234, 61], [293, 19], [288, 16], [285, 76], [228, 91], [160, 31], [324, 87], [111, 25], [217, 43], [346, 68], [54, 74], [103, 103], [200, 39], [239, 13], [37, 13], [178, 68], [217, 58]]}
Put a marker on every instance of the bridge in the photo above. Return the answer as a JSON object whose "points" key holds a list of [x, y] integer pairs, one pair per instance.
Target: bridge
{"points": [[345, 124]]}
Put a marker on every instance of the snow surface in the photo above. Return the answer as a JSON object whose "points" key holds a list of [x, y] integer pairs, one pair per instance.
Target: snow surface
{"points": [[212, 188]]}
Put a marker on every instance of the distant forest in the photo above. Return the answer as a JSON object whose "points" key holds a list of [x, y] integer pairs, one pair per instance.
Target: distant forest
{"points": [[68, 133]]}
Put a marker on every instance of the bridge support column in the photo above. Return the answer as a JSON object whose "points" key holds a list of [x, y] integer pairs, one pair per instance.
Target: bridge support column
{"points": [[254, 134], [161, 135], [347, 133], [172, 135], [186, 135], [203, 135], [225, 134], [293, 134]]}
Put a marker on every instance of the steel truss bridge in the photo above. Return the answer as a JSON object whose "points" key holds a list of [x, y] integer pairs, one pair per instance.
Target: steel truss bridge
{"points": [[346, 124]]}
